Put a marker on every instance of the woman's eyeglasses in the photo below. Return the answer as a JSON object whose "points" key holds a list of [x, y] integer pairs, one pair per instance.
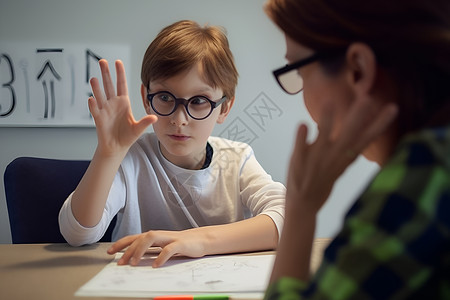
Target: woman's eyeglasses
{"points": [[198, 107], [288, 77]]}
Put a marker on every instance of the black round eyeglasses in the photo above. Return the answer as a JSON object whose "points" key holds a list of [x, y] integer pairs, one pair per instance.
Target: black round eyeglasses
{"points": [[165, 103]]}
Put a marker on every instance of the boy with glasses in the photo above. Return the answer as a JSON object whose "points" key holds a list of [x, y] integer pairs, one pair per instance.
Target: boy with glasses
{"points": [[177, 188]]}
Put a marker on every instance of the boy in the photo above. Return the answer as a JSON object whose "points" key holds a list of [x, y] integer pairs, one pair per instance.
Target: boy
{"points": [[177, 188]]}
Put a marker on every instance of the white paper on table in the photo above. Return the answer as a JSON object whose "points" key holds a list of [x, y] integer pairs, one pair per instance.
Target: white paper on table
{"points": [[230, 274]]}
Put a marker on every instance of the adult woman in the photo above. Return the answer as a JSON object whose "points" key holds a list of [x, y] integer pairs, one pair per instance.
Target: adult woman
{"points": [[375, 78]]}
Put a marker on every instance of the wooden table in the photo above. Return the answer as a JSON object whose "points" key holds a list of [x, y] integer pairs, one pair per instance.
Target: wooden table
{"points": [[48, 271], [57, 271]]}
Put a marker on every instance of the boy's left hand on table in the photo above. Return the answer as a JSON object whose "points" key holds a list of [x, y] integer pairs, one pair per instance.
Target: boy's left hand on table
{"points": [[166, 243]]}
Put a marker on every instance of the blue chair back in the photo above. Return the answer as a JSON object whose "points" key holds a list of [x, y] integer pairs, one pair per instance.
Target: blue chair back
{"points": [[35, 190]]}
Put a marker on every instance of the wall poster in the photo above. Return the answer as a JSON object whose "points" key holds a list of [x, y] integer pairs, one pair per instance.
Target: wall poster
{"points": [[48, 85]]}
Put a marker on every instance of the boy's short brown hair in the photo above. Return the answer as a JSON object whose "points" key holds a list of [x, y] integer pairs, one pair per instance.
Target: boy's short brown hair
{"points": [[183, 44]]}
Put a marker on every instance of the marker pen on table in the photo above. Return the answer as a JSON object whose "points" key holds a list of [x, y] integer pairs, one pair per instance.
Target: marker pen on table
{"points": [[193, 297]]}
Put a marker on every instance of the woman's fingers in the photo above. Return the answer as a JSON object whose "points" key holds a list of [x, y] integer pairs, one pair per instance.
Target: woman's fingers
{"points": [[363, 124], [298, 154], [326, 124], [316, 166], [380, 123]]}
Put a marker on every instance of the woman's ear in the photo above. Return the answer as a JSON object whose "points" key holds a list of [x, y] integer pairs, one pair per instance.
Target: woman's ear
{"points": [[362, 65], [225, 110], [144, 99]]}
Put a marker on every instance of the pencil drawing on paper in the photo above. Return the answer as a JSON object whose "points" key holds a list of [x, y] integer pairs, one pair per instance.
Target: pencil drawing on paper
{"points": [[228, 273]]}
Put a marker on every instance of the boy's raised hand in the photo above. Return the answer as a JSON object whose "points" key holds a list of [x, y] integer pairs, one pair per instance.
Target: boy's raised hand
{"points": [[116, 127]]}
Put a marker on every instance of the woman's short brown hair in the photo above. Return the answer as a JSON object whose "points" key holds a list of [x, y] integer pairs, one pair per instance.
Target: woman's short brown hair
{"points": [[180, 46], [410, 38]]}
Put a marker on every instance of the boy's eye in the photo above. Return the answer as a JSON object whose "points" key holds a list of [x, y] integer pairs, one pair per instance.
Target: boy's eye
{"points": [[198, 101], [165, 97]]}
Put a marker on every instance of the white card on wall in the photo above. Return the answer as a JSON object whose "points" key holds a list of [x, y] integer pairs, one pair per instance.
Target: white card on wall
{"points": [[48, 85]]}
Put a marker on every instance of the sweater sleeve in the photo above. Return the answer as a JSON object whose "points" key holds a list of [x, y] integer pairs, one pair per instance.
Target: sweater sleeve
{"points": [[76, 234], [260, 193]]}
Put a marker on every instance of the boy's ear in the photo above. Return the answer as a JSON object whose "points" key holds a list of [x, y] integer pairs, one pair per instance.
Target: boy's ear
{"points": [[362, 65], [144, 99], [225, 110]]}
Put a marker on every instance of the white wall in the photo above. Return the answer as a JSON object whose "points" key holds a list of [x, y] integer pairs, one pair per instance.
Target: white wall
{"points": [[258, 48]]}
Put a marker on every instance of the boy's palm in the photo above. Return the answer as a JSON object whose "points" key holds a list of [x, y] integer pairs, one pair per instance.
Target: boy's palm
{"points": [[116, 127]]}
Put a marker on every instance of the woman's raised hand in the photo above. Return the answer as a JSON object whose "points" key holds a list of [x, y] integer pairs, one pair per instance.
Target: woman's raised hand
{"points": [[116, 127], [315, 167]]}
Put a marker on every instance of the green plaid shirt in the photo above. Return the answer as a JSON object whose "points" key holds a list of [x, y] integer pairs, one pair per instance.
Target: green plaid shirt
{"points": [[395, 240]]}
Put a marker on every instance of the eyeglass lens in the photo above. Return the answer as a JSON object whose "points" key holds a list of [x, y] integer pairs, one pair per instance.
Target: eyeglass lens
{"points": [[197, 107], [291, 81]]}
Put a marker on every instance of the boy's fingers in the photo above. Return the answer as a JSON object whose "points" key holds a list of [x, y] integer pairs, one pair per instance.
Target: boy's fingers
{"points": [[145, 122], [138, 252], [93, 107], [126, 256], [121, 244], [166, 253], [122, 89], [108, 85], [98, 95], [139, 246]]}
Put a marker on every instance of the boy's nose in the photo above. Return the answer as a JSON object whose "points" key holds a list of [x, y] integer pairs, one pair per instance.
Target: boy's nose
{"points": [[180, 116]]}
